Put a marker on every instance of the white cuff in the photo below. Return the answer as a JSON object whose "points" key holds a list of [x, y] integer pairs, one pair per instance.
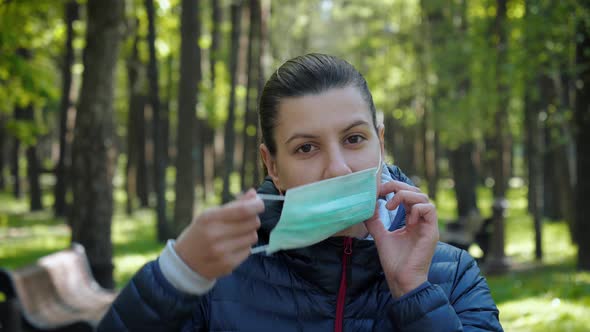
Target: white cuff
{"points": [[180, 275]]}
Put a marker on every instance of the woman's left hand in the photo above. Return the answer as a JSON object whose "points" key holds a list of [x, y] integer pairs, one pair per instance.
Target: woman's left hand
{"points": [[406, 253]]}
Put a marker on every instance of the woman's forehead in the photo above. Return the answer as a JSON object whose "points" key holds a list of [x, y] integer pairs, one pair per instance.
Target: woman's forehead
{"points": [[332, 109]]}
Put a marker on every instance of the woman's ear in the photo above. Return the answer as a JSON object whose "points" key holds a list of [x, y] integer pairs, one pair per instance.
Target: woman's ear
{"points": [[270, 164]]}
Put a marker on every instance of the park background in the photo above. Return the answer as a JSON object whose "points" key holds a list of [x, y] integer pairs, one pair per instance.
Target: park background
{"points": [[121, 119]]}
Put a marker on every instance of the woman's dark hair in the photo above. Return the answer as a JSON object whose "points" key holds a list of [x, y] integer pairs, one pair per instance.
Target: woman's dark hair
{"points": [[304, 75]]}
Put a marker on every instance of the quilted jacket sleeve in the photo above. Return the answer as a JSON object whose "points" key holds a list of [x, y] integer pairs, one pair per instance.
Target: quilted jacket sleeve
{"points": [[150, 303], [466, 306], [469, 307]]}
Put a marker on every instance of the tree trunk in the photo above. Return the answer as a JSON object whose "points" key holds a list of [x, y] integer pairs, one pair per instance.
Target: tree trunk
{"points": [[15, 159], [535, 104], [400, 143], [434, 53], [33, 170], [157, 118], [263, 34], [166, 110], [230, 134], [538, 188], [462, 159], [582, 120], [131, 165], [133, 65], [214, 52], [142, 176], [501, 152], [250, 133], [190, 72], [209, 144], [200, 139], [3, 141], [551, 193], [429, 150], [137, 168], [14, 168], [465, 178], [563, 155], [63, 163], [213, 145], [93, 148]]}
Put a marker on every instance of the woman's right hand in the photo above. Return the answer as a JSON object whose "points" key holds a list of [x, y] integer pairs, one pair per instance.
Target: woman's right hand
{"points": [[219, 240]]}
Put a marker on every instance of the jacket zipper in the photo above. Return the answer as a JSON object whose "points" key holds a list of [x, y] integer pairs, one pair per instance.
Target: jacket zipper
{"points": [[346, 253]]}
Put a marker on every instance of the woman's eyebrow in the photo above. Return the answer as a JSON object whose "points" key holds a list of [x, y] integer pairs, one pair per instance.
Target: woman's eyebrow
{"points": [[300, 135], [303, 135], [354, 124]]}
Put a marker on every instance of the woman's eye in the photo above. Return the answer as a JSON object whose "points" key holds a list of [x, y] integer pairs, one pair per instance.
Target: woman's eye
{"points": [[354, 139], [305, 148]]}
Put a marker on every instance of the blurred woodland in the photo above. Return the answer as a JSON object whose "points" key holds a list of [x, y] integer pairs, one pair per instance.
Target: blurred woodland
{"points": [[153, 104]]}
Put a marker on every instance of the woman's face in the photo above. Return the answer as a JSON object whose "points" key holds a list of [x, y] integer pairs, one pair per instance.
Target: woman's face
{"points": [[322, 136]]}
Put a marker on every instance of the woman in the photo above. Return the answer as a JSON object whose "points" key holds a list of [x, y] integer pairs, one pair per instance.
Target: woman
{"points": [[386, 273]]}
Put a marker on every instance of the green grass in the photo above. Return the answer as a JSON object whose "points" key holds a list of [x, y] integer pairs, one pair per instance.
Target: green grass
{"points": [[552, 297], [26, 236]]}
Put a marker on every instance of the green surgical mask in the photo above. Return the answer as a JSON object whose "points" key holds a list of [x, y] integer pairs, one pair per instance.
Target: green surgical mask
{"points": [[316, 211]]}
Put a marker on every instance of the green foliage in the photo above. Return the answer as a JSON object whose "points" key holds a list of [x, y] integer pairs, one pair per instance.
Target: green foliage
{"points": [[214, 99], [26, 131], [30, 38]]}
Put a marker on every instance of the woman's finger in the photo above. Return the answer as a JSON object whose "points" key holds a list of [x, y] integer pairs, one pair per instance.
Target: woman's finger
{"points": [[395, 186], [243, 227], [237, 211], [422, 212], [408, 198]]}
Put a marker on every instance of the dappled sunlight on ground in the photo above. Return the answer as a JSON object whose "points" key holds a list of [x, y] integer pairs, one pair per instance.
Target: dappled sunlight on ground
{"points": [[545, 314]]}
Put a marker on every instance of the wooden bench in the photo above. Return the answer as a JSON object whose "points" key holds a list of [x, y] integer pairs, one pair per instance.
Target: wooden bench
{"points": [[467, 231], [57, 293]]}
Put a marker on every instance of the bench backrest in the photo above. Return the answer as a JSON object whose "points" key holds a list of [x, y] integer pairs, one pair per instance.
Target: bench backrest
{"points": [[59, 290]]}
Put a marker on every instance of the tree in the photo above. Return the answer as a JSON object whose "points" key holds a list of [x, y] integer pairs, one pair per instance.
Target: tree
{"points": [[3, 145], [93, 148], [461, 158], [249, 167], [33, 168], [61, 170], [230, 134], [190, 72], [215, 50], [465, 177], [501, 147], [136, 168], [582, 119], [15, 159], [158, 119], [536, 101], [435, 32]]}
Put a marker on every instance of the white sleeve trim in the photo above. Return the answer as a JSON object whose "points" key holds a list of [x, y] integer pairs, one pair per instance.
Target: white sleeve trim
{"points": [[180, 275]]}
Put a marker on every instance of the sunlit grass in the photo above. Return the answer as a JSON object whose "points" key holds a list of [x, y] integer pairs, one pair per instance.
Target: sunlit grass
{"points": [[554, 297], [541, 314], [26, 236]]}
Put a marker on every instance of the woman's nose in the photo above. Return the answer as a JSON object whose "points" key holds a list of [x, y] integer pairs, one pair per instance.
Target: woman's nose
{"points": [[336, 166]]}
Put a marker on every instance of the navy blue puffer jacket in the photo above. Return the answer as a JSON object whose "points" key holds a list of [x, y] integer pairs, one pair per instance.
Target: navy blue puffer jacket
{"points": [[298, 290]]}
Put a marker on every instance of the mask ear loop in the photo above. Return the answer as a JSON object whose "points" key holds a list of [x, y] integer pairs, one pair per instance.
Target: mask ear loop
{"points": [[258, 250], [380, 166]]}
